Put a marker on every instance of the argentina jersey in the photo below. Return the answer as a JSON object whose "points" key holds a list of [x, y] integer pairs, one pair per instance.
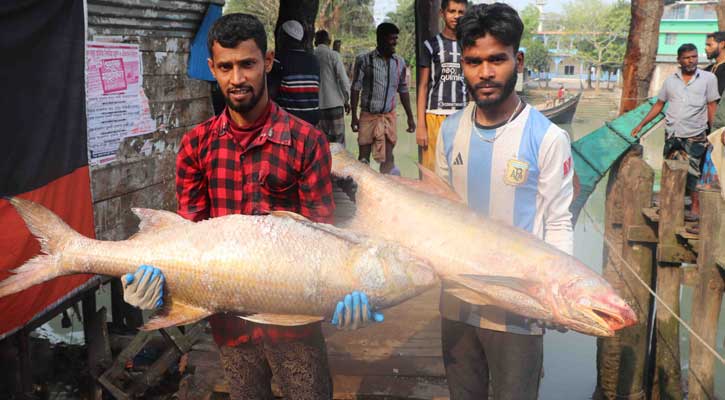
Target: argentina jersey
{"points": [[522, 178]]}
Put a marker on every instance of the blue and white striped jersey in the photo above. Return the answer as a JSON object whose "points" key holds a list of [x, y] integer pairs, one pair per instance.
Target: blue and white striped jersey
{"points": [[523, 178]]}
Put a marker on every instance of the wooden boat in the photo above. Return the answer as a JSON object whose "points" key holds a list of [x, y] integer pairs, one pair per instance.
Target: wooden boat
{"points": [[562, 113]]}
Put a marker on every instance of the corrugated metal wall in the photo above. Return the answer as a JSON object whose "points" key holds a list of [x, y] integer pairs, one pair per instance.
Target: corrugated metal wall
{"points": [[143, 174]]}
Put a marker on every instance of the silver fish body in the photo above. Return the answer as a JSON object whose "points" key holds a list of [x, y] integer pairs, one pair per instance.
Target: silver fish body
{"points": [[491, 262], [278, 269]]}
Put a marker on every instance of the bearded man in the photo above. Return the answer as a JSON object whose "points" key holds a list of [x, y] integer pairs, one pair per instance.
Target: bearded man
{"points": [[509, 162]]}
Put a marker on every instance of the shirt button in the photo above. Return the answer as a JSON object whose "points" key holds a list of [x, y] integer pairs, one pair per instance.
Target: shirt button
{"points": [[241, 157]]}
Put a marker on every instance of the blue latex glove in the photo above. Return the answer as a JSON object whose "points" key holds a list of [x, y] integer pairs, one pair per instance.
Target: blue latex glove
{"points": [[145, 288], [354, 312]]}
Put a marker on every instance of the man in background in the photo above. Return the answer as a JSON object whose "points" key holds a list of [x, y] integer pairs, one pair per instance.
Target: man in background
{"points": [[692, 97], [334, 89], [441, 90], [295, 76], [378, 75]]}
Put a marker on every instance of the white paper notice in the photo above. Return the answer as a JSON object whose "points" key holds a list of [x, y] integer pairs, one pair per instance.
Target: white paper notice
{"points": [[116, 106]]}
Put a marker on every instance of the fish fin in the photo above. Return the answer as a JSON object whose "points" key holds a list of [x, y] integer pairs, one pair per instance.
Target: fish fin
{"points": [[508, 293], [290, 214], [37, 270], [176, 313], [469, 296], [153, 220], [431, 184], [331, 229], [281, 319], [43, 224]]}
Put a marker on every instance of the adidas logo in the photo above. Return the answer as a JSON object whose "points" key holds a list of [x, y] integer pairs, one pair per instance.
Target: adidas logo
{"points": [[458, 160]]}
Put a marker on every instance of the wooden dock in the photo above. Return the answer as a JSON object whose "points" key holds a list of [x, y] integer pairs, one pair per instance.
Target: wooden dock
{"points": [[398, 359]]}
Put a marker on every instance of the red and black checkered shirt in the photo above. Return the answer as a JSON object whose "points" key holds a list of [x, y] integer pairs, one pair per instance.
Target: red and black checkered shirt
{"points": [[287, 167]]}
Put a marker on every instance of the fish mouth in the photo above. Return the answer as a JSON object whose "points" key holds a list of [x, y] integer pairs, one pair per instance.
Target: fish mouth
{"points": [[605, 321]]}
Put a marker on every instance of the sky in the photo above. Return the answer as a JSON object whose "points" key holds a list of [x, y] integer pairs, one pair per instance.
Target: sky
{"points": [[383, 7]]}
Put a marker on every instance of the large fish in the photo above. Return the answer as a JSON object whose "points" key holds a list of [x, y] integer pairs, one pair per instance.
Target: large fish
{"points": [[279, 269], [491, 263]]}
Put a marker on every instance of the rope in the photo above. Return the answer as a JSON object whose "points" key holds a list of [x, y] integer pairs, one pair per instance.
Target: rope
{"points": [[615, 251]]}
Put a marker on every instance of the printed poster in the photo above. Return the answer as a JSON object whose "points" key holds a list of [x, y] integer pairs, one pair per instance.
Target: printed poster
{"points": [[116, 105]]}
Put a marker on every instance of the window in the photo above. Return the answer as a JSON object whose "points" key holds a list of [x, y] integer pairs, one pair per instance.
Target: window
{"points": [[670, 38], [568, 70]]}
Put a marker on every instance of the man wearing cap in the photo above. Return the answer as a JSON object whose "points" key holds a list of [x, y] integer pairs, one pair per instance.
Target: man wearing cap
{"points": [[295, 76], [378, 75]]}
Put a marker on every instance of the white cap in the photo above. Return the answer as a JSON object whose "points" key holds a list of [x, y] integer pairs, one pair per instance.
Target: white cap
{"points": [[294, 29]]}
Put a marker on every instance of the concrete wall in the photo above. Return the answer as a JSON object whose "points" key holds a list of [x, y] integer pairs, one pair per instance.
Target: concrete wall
{"points": [[143, 174]]}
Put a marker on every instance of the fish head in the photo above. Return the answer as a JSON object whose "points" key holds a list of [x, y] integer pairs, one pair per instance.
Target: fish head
{"points": [[591, 306], [388, 274]]}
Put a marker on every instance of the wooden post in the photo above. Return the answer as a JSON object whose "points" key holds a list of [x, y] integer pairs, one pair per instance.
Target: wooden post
{"points": [[667, 382], [708, 295], [639, 61], [621, 359], [720, 9]]}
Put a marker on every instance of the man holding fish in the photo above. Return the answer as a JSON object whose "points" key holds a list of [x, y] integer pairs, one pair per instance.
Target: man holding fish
{"points": [[506, 161], [252, 159]]}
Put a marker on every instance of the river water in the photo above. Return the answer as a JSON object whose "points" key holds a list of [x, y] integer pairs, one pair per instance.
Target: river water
{"points": [[569, 358]]}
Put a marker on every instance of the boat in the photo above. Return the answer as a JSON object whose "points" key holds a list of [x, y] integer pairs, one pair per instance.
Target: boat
{"points": [[561, 113], [598, 150]]}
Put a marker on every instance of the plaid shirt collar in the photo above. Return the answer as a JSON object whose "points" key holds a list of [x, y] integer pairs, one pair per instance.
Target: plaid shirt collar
{"points": [[276, 119]]}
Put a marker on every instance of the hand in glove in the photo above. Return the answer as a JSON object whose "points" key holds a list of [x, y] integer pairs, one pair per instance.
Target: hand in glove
{"points": [[145, 288], [354, 312]]}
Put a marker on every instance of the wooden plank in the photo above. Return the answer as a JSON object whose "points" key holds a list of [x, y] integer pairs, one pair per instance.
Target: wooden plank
{"points": [[144, 161], [167, 5], [707, 298], [621, 360], [181, 113], [94, 338], [164, 63], [652, 213], [667, 380], [683, 233], [675, 254], [174, 88], [114, 219], [151, 33], [142, 13], [641, 233], [135, 23]]}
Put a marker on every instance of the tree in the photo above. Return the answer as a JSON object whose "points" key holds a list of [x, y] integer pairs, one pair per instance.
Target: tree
{"points": [[404, 19], [537, 57], [600, 29], [530, 17]]}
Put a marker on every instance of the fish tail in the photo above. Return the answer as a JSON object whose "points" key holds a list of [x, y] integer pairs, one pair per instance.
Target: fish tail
{"points": [[49, 228], [37, 270], [52, 233]]}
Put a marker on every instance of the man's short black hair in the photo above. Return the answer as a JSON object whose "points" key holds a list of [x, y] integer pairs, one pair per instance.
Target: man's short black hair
{"points": [[232, 29], [322, 36], [717, 36], [685, 48], [498, 20], [385, 29], [444, 3]]}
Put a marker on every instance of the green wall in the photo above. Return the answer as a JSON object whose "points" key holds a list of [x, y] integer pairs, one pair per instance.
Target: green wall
{"points": [[686, 31]]}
